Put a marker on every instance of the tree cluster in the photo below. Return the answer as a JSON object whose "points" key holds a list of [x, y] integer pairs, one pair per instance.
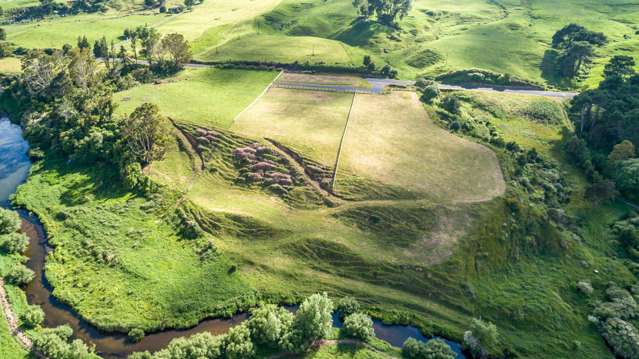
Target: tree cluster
{"points": [[58, 343], [11, 241], [387, 12], [165, 55], [432, 349], [66, 108], [50, 7], [606, 121], [481, 338], [573, 48], [269, 327]]}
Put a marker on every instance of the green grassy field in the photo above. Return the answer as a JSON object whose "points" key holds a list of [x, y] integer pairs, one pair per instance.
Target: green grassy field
{"points": [[201, 96], [129, 246], [436, 37], [311, 122], [392, 140]]}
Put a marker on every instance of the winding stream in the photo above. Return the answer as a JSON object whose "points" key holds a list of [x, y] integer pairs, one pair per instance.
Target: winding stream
{"points": [[14, 169]]}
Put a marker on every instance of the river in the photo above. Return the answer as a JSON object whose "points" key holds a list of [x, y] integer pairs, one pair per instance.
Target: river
{"points": [[14, 169]]}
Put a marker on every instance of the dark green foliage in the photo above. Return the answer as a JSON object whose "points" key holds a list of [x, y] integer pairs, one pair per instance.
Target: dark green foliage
{"points": [[198, 346], [14, 242], [32, 317], [481, 339], [620, 66], [145, 135], [347, 306], [359, 326], [57, 343], [386, 11], [481, 76], [83, 43], [622, 336], [3, 34], [237, 343], [430, 93], [574, 46], [313, 321], [9, 221], [136, 335], [101, 48], [605, 123], [19, 275], [433, 349], [268, 324], [452, 104]]}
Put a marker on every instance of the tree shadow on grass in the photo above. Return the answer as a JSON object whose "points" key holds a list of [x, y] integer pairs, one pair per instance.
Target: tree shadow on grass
{"points": [[97, 181], [362, 31]]}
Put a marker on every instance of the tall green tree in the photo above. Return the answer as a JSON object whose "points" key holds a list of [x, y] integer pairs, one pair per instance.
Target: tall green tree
{"points": [[145, 135]]}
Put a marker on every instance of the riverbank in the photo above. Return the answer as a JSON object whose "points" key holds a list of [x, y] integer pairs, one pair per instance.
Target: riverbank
{"points": [[12, 319]]}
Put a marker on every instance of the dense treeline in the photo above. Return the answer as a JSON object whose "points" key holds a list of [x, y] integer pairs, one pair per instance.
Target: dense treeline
{"points": [[386, 11], [606, 121], [64, 101], [51, 7]]}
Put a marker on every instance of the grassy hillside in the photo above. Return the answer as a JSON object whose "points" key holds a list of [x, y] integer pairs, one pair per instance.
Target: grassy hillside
{"points": [[436, 37]]}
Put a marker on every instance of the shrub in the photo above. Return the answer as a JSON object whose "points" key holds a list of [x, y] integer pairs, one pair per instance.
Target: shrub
{"points": [[32, 317], [433, 349], [481, 337], [430, 93], [585, 287], [136, 335], [359, 326], [237, 343], [312, 321], [19, 275], [268, 324], [627, 177], [202, 345], [452, 105], [9, 221], [56, 344], [14, 242], [622, 336], [347, 306]]}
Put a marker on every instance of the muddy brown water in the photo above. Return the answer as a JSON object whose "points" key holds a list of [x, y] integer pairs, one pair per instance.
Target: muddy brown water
{"points": [[14, 169]]}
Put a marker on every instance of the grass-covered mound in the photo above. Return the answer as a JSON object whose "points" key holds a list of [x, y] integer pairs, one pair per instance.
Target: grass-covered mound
{"points": [[116, 253]]}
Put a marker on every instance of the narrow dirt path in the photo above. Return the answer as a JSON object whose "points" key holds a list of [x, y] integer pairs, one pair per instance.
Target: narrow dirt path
{"points": [[12, 319]]}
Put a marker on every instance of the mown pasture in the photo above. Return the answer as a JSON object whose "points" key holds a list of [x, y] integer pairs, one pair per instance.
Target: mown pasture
{"points": [[205, 96]]}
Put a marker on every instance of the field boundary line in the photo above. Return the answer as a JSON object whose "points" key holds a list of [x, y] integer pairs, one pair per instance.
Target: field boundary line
{"points": [[258, 97], [341, 143]]}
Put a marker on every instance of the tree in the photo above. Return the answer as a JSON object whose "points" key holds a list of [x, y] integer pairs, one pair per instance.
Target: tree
{"points": [[3, 34], [432, 349], [189, 3], [574, 57], [622, 336], [9, 221], [101, 48], [198, 346], [268, 324], [347, 306], [622, 151], [452, 104], [57, 343], [313, 321], [481, 337], [14, 242], [149, 38], [237, 343], [146, 134], [32, 317], [19, 275], [387, 11], [602, 190], [627, 177], [83, 43], [620, 66], [177, 48], [576, 46], [430, 93], [136, 335], [359, 326]]}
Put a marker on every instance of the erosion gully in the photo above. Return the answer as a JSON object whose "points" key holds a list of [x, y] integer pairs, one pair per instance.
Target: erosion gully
{"points": [[14, 169]]}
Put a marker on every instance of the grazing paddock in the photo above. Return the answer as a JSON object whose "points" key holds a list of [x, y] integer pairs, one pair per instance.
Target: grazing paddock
{"points": [[392, 140], [207, 96], [329, 79], [311, 122]]}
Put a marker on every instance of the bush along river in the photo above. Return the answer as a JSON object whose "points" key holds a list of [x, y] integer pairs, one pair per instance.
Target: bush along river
{"points": [[14, 169]]}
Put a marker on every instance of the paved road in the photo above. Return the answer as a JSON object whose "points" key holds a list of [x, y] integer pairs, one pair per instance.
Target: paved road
{"points": [[379, 85]]}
